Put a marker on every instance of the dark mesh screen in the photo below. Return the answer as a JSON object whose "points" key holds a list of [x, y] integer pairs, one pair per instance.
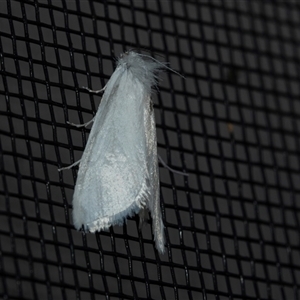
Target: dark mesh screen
{"points": [[233, 124]]}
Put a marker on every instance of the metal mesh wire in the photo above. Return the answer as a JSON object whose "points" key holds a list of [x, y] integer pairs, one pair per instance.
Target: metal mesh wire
{"points": [[232, 227]]}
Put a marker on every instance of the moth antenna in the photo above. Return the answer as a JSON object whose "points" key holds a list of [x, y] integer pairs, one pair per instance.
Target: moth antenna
{"points": [[163, 64]]}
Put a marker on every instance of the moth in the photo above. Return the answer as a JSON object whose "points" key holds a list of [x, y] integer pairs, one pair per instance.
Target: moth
{"points": [[118, 174]]}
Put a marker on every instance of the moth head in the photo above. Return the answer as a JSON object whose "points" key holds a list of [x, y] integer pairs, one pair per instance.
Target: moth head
{"points": [[124, 54]]}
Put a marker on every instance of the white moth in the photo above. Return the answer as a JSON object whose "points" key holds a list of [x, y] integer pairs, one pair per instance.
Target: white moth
{"points": [[118, 174]]}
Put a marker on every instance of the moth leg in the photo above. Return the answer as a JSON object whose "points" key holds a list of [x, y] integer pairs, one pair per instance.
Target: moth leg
{"points": [[81, 125], [89, 122], [71, 166], [94, 91], [170, 169]]}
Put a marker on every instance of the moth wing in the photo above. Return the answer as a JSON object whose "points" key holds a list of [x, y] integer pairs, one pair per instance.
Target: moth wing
{"points": [[113, 180], [154, 187]]}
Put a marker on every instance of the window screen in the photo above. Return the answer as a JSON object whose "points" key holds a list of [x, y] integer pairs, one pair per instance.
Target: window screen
{"points": [[232, 226]]}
